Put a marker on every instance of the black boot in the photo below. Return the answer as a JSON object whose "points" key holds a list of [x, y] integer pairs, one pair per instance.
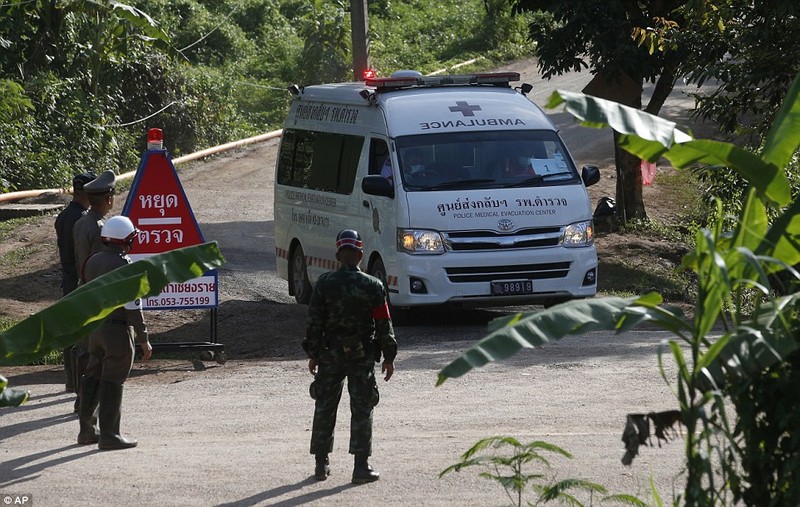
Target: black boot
{"points": [[363, 472], [323, 469], [70, 386], [110, 405], [89, 396], [79, 362]]}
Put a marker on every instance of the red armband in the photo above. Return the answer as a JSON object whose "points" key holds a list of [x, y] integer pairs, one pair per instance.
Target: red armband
{"points": [[381, 312]]}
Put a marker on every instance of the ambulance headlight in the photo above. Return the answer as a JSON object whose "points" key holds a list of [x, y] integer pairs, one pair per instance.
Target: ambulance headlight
{"points": [[578, 234], [419, 241]]}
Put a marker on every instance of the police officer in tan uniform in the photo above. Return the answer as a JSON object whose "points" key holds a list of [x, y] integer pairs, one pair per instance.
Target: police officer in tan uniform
{"points": [[86, 233], [86, 241], [111, 346]]}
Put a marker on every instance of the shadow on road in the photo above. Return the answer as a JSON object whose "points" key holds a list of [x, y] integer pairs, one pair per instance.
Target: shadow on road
{"points": [[17, 470], [303, 499]]}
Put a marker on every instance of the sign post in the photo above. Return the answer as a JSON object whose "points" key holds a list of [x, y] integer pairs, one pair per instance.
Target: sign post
{"points": [[158, 207]]}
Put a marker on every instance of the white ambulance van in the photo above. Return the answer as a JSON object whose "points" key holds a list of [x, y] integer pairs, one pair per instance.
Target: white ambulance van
{"points": [[460, 186]]}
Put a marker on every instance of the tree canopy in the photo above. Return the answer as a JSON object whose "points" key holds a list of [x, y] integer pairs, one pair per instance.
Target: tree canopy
{"points": [[747, 48]]}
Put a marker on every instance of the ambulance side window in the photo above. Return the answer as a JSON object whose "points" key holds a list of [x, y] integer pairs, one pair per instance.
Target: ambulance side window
{"points": [[348, 163], [286, 157], [378, 156], [319, 160]]}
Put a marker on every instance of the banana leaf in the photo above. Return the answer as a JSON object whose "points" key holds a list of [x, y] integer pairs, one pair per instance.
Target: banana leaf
{"points": [[81, 311], [783, 138], [753, 346], [510, 334], [11, 397], [650, 137]]}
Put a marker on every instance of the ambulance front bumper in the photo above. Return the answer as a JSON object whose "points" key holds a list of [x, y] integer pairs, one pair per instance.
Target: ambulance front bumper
{"points": [[490, 279]]}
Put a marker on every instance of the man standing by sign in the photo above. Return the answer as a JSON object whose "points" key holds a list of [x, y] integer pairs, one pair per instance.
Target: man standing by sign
{"points": [[348, 328], [87, 230], [110, 346], [65, 223], [86, 239]]}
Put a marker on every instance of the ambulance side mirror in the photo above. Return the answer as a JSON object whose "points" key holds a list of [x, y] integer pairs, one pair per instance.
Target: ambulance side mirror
{"points": [[590, 175], [377, 185]]}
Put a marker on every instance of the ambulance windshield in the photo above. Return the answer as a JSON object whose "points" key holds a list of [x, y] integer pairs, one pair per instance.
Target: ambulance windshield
{"points": [[484, 160]]}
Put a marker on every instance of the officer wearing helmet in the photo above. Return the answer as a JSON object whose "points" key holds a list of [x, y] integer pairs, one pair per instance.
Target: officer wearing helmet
{"points": [[111, 346], [348, 329]]}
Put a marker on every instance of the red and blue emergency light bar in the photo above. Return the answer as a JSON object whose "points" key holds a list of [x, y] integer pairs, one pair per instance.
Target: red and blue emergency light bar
{"points": [[491, 78]]}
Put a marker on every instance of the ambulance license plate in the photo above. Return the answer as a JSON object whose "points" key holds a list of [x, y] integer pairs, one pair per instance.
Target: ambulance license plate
{"points": [[512, 287]]}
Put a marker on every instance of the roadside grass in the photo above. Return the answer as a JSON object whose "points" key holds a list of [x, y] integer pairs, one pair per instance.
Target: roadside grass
{"points": [[8, 227], [643, 272], [6, 323], [645, 256], [16, 257]]}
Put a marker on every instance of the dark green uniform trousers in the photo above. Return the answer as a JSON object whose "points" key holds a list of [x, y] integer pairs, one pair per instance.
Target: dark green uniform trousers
{"points": [[327, 388]]}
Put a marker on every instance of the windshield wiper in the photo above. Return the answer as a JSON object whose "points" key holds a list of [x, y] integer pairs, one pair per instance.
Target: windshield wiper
{"points": [[527, 181], [460, 183]]}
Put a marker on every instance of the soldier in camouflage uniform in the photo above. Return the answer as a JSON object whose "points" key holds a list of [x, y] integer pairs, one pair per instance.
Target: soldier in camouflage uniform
{"points": [[348, 329]]}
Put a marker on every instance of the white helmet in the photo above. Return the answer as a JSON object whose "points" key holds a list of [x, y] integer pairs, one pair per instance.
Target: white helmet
{"points": [[119, 231]]}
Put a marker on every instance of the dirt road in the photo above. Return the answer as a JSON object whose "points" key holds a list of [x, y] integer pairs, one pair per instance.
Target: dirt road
{"points": [[238, 434]]}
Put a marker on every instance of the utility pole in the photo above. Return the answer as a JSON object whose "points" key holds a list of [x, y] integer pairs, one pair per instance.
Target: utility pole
{"points": [[359, 26]]}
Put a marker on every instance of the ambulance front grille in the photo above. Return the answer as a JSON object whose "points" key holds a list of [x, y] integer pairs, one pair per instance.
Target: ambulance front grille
{"points": [[539, 271], [470, 241]]}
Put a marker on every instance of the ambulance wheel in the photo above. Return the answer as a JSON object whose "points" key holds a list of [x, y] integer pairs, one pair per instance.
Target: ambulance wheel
{"points": [[206, 355], [301, 287], [378, 270], [221, 357]]}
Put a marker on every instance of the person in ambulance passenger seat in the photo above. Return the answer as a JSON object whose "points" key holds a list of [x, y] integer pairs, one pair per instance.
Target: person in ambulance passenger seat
{"points": [[515, 164]]}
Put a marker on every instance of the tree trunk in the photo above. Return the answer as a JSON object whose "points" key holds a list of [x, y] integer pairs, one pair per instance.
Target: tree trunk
{"points": [[630, 204], [664, 86], [626, 91]]}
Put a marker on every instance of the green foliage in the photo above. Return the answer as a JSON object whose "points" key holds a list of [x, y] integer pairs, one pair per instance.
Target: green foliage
{"points": [[509, 470], [758, 334], [325, 29], [13, 102], [6, 323], [744, 50], [89, 77], [428, 36], [575, 35], [767, 422]]}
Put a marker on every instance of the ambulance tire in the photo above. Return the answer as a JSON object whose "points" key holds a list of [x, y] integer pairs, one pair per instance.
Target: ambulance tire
{"points": [[301, 287], [378, 270]]}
